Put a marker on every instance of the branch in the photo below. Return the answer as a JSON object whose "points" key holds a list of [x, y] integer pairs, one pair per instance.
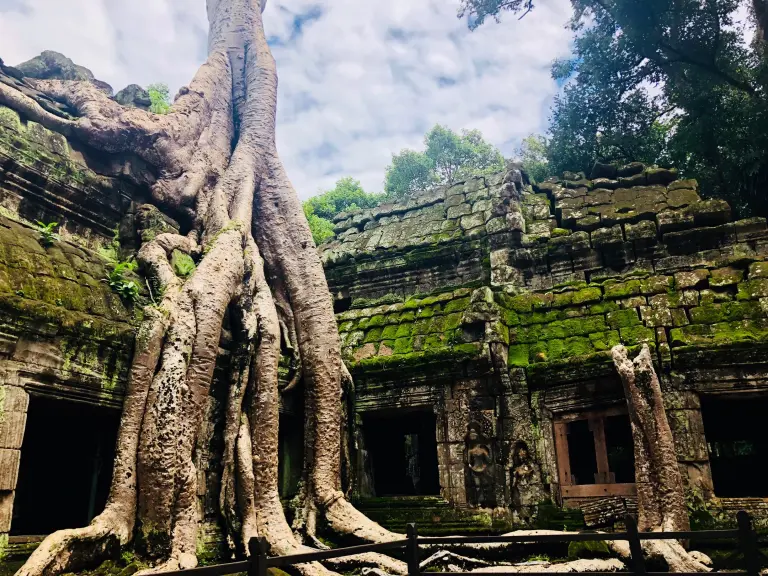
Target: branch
{"points": [[684, 58]]}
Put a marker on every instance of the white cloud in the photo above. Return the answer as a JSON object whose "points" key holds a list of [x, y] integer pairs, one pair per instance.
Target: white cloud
{"points": [[358, 82]]}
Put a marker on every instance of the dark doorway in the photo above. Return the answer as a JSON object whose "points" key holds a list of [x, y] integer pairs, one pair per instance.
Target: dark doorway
{"points": [[290, 454], [66, 465], [403, 452], [581, 451], [737, 443]]}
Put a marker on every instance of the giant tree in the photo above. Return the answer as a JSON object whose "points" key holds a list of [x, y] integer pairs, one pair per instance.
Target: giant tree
{"points": [[663, 80], [211, 162]]}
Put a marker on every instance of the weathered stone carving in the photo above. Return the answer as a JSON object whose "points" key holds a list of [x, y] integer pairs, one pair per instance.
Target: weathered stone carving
{"points": [[480, 462]]}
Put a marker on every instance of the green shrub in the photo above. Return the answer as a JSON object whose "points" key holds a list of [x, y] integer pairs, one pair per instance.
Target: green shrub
{"points": [[160, 98], [47, 234], [128, 289]]}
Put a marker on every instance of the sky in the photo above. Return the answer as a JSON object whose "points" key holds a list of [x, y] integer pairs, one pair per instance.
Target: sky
{"points": [[359, 80]]}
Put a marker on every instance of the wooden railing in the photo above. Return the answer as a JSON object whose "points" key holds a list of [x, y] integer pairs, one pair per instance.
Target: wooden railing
{"points": [[258, 561]]}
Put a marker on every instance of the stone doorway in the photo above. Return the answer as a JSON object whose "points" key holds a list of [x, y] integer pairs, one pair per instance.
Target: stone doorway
{"points": [[66, 465], [737, 442], [402, 449]]}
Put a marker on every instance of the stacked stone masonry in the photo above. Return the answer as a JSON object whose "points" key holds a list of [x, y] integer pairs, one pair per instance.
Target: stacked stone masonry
{"points": [[494, 304]]}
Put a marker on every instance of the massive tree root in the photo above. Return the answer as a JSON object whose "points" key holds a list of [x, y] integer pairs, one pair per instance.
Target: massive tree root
{"points": [[212, 163]]}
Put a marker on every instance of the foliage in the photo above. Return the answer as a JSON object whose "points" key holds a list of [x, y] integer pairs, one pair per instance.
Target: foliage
{"points": [[347, 194], [47, 234], [182, 264], [116, 279], [410, 172], [448, 157], [478, 10], [662, 81], [160, 98], [532, 153], [704, 514]]}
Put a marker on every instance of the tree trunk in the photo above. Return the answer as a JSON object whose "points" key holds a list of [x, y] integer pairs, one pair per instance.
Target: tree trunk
{"points": [[660, 495], [216, 168]]}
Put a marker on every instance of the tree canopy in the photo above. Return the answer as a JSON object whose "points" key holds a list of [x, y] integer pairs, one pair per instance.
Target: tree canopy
{"points": [[533, 153], [662, 81], [448, 157], [347, 194]]}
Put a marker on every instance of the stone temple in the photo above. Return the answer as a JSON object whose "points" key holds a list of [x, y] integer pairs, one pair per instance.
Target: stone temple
{"points": [[476, 320]]}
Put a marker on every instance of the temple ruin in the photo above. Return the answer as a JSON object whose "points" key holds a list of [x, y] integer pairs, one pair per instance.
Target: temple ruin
{"points": [[477, 322]]}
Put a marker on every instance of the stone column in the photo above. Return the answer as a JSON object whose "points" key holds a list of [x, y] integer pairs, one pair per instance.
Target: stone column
{"points": [[683, 410], [14, 401]]}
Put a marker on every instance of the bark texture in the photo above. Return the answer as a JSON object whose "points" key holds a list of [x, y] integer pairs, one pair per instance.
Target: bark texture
{"points": [[660, 495], [212, 163], [661, 499]]}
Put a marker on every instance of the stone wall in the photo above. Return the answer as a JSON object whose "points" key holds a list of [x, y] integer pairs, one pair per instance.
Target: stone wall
{"points": [[434, 291]]}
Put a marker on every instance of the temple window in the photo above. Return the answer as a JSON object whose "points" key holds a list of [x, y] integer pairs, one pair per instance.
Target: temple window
{"points": [[734, 427], [595, 455], [402, 448]]}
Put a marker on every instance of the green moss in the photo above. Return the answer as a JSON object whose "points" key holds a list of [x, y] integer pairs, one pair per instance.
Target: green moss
{"points": [[573, 327], [562, 299], [518, 355], [727, 311], [404, 329], [605, 340], [182, 263], [527, 302], [456, 305], [560, 232], [636, 335], [603, 307], [377, 320], [588, 549], [656, 284], [577, 346], [428, 312], [623, 318], [403, 345], [510, 317], [390, 332], [615, 289], [752, 289], [373, 335], [758, 270], [451, 321], [407, 316], [587, 296]]}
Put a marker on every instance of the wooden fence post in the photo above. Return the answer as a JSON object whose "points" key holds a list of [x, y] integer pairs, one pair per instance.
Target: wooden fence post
{"points": [[748, 543], [257, 547], [635, 548], [412, 550]]}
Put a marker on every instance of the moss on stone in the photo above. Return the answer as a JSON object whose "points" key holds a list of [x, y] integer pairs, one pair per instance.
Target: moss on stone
{"points": [[605, 340], [373, 335], [588, 549], [587, 296], [183, 265], [623, 318], [656, 285], [752, 289], [518, 355], [456, 305], [614, 289], [637, 335]]}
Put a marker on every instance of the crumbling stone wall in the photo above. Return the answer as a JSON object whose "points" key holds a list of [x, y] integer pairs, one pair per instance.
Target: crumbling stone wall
{"points": [[550, 276]]}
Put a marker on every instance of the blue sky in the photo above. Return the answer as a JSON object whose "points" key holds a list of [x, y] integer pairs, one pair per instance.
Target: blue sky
{"points": [[359, 79]]}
